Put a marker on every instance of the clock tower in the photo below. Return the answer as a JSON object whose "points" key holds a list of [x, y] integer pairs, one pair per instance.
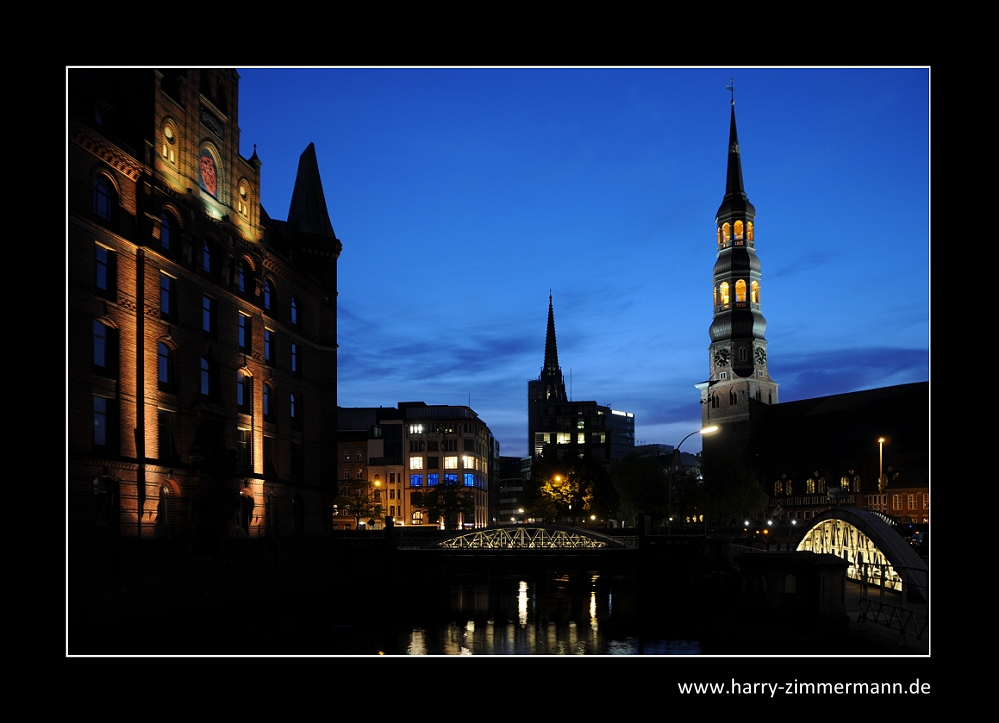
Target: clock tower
{"points": [[737, 355]]}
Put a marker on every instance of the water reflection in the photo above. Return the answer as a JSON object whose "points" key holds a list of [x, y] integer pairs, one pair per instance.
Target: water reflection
{"points": [[565, 615]]}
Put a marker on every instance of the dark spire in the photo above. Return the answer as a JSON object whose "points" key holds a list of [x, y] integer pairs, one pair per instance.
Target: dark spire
{"points": [[551, 373], [735, 193], [551, 350], [308, 212]]}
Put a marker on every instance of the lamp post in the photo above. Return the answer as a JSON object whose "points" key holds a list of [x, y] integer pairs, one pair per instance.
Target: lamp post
{"points": [[882, 502], [676, 461]]}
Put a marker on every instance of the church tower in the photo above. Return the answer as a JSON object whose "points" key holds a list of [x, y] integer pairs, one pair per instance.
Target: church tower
{"points": [[737, 355], [548, 387]]}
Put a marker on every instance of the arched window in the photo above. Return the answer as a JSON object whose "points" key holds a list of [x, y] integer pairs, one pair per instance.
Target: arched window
{"points": [[102, 198], [243, 277], [268, 295], [294, 311], [810, 486], [714, 293], [726, 232], [209, 378], [206, 257], [740, 290], [719, 237], [169, 140], [742, 353], [417, 517], [790, 487], [754, 292], [778, 488], [738, 229], [844, 482], [749, 231], [724, 293], [165, 231]]}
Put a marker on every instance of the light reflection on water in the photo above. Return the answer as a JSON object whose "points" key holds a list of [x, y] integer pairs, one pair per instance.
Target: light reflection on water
{"points": [[522, 617]]}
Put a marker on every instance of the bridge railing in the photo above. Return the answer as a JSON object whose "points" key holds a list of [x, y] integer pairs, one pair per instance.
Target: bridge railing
{"points": [[900, 612]]}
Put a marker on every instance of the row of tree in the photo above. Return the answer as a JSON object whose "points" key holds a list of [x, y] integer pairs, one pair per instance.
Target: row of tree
{"points": [[452, 502], [724, 492]]}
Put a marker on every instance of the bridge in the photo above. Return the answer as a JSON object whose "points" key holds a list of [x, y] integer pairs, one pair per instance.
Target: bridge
{"points": [[532, 537], [875, 551]]}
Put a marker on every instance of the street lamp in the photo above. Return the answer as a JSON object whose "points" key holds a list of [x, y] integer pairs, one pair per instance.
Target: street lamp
{"points": [[674, 463], [882, 502]]}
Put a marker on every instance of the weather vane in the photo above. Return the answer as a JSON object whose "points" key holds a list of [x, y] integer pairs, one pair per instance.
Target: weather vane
{"points": [[731, 87]]}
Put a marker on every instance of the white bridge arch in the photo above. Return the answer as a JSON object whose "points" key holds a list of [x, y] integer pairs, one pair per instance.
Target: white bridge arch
{"points": [[868, 542], [534, 537]]}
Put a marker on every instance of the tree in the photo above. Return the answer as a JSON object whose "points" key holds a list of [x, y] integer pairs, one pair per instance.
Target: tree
{"points": [[448, 501], [641, 485], [730, 492], [357, 499], [568, 488]]}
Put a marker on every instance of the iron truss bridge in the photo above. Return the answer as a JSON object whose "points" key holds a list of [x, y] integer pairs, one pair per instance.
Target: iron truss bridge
{"points": [[535, 537]]}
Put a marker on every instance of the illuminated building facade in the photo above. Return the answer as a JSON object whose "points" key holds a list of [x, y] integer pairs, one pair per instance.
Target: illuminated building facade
{"points": [[576, 429], [415, 448], [737, 356], [202, 333]]}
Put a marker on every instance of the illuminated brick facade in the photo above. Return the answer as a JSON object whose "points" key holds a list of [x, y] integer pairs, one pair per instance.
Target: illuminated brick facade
{"points": [[202, 333]]}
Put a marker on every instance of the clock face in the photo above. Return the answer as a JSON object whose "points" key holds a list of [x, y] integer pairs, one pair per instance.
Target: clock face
{"points": [[761, 356], [722, 357]]}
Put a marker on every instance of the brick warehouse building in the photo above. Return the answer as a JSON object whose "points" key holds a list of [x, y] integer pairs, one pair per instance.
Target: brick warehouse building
{"points": [[202, 333]]}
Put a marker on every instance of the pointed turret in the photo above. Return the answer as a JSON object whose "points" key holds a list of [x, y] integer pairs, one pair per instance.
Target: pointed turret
{"points": [[551, 350], [735, 200], [551, 373], [308, 213]]}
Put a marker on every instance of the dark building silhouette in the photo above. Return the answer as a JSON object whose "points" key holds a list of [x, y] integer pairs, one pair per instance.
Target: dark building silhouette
{"points": [[583, 429], [202, 332]]}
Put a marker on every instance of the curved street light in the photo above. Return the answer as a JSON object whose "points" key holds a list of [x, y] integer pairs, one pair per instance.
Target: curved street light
{"points": [[674, 463]]}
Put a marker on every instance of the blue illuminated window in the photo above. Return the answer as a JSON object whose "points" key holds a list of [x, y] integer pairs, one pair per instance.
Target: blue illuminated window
{"points": [[432, 479], [469, 479], [416, 480], [450, 479]]}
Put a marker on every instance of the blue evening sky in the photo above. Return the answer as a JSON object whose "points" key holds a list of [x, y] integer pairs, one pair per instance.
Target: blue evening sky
{"points": [[462, 196]]}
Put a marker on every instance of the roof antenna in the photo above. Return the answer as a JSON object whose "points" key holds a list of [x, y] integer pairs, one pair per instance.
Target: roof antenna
{"points": [[731, 87]]}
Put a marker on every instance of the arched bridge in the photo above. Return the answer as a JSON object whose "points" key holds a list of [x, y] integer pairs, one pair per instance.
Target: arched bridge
{"points": [[530, 537], [868, 542]]}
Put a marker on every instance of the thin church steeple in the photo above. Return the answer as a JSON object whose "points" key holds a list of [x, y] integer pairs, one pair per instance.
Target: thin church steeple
{"points": [[551, 373]]}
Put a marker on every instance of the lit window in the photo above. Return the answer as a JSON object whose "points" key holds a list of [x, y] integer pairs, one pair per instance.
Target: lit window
{"points": [[416, 429], [416, 480], [450, 479], [563, 438], [754, 292], [294, 311], [740, 290], [726, 232], [416, 462], [450, 463], [912, 501], [432, 479], [469, 479], [749, 231], [581, 438], [738, 229], [724, 292], [169, 139], [418, 517]]}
